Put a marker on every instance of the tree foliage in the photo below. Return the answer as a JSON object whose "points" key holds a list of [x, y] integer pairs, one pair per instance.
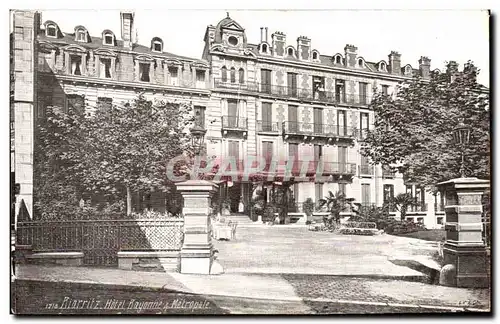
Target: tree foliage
{"points": [[336, 203], [109, 150], [413, 130]]}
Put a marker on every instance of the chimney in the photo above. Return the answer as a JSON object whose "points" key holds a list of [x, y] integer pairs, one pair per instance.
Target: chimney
{"points": [[303, 48], [395, 63], [350, 52], [261, 34], [127, 19], [279, 41], [452, 69], [424, 65], [266, 38]]}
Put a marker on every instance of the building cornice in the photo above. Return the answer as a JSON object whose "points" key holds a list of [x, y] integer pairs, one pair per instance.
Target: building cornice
{"points": [[337, 70], [137, 86]]}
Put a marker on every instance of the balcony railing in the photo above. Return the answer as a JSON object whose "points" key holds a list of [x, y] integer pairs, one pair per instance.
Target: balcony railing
{"points": [[365, 208], [309, 94], [391, 207], [366, 170], [322, 168], [294, 92], [233, 122], [246, 86], [267, 126], [417, 208], [290, 127], [388, 174]]}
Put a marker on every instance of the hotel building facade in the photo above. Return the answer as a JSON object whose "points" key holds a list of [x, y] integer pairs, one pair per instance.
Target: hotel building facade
{"points": [[268, 98]]}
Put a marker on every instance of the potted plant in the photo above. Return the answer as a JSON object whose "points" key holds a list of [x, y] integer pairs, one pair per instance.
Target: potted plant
{"points": [[308, 208]]}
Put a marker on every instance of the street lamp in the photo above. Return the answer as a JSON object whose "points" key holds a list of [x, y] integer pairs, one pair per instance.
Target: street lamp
{"points": [[197, 138], [461, 135]]}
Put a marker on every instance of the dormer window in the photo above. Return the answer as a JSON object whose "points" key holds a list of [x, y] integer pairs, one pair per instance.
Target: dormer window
{"points": [[157, 47], [382, 67], [408, 69], [338, 59], [290, 52], [360, 63], [108, 39], [51, 31], [315, 55], [264, 48], [81, 35]]}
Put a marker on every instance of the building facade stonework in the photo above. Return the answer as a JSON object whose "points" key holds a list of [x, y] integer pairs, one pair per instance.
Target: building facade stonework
{"points": [[268, 98]]}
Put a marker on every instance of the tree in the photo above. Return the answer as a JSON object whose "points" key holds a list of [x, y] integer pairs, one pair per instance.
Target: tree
{"points": [[335, 203], [115, 151], [402, 201], [414, 129]]}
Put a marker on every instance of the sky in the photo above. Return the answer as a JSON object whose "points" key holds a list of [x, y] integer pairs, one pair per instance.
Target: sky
{"points": [[441, 35]]}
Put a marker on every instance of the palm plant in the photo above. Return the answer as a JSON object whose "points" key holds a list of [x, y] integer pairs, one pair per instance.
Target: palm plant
{"points": [[402, 201], [335, 203]]}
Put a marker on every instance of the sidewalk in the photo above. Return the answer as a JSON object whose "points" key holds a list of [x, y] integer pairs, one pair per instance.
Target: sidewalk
{"points": [[299, 289]]}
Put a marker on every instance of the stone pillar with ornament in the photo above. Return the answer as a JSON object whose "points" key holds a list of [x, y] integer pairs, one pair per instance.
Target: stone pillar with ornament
{"points": [[197, 254], [465, 255]]}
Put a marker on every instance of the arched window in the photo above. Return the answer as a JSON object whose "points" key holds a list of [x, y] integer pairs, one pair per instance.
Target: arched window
{"points": [[233, 75], [242, 75], [264, 48], [408, 69], [338, 59], [315, 55], [290, 52], [224, 74], [360, 63], [382, 66]]}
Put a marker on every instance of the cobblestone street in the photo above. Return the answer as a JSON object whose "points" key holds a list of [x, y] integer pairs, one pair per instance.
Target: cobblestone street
{"points": [[386, 291]]}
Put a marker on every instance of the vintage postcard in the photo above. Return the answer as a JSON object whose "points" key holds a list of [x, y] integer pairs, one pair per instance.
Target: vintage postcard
{"points": [[224, 162]]}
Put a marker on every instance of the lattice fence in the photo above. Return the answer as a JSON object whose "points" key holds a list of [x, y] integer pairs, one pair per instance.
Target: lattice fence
{"points": [[100, 240]]}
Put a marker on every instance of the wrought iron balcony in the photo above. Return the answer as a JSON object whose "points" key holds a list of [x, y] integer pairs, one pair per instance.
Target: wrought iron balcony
{"points": [[308, 94], [417, 208], [267, 126], [313, 129], [322, 168], [439, 208], [234, 123], [366, 170], [246, 86], [365, 208], [388, 174]]}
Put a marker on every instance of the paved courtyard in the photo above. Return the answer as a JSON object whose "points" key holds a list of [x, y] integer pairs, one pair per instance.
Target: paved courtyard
{"points": [[275, 249]]}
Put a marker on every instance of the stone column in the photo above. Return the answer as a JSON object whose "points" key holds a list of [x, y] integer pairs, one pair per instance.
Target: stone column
{"points": [[197, 252], [207, 79], [179, 76], [112, 69], [166, 74], [465, 255]]}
